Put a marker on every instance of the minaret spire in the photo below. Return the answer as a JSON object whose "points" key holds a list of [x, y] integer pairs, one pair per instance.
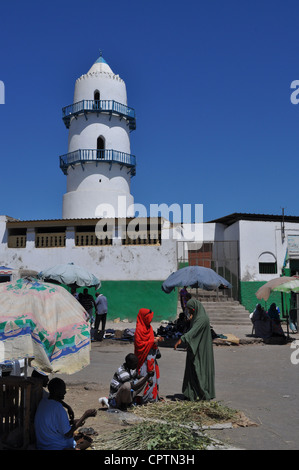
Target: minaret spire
{"points": [[99, 164]]}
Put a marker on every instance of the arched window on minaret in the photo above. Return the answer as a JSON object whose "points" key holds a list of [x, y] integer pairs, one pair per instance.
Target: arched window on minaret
{"points": [[96, 98], [100, 147]]}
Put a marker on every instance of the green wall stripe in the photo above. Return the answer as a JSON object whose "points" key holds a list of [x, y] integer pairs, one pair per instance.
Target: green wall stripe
{"points": [[249, 299], [125, 298]]}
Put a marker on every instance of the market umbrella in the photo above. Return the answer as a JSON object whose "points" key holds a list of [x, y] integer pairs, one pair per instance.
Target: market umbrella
{"points": [[44, 322], [285, 288], [70, 274], [266, 289], [195, 276], [289, 286]]}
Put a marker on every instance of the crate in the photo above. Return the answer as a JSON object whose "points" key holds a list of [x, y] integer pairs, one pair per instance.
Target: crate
{"points": [[19, 398]]}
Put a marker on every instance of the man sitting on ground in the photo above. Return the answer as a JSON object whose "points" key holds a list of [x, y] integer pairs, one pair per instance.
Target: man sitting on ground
{"points": [[52, 427], [126, 385]]}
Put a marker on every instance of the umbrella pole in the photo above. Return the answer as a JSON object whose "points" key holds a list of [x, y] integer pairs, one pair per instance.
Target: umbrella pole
{"points": [[287, 311], [26, 367]]}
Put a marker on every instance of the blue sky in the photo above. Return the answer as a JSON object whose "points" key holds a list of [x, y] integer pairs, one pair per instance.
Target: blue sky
{"points": [[209, 81]]}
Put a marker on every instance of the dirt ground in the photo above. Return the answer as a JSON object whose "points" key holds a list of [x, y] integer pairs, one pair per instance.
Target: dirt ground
{"points": [[87, 396]]}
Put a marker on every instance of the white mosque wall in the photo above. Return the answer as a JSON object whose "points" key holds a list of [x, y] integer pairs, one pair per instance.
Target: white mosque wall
{"points": [[84, 132], [112, 87], [93, 203], [104, 177]]}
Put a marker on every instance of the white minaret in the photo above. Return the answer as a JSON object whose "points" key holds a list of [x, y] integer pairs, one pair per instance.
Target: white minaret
{"points": [[99, 164]]}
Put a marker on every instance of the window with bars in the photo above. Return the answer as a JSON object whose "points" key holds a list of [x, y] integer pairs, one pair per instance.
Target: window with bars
{"points": [[268, 268]]}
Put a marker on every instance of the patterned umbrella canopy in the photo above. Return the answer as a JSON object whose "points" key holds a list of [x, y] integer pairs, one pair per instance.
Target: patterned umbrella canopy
{"points": [[44, 322]]}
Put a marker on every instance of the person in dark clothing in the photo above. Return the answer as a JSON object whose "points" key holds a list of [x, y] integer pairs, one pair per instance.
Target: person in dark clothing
{"points": [[87, 301], [52, 427]]}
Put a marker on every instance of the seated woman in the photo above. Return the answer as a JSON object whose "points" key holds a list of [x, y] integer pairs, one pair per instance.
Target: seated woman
{"points": [[274, 316], [261, 322]]}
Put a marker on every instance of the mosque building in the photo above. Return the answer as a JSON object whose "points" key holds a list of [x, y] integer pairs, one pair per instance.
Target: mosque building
{"points": [[133, 256]]}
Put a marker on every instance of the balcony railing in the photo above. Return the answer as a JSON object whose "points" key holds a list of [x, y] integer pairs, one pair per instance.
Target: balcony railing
{"points": [[16, 241], [102, 106], [50, 240], [91, 155], [91, 239]]}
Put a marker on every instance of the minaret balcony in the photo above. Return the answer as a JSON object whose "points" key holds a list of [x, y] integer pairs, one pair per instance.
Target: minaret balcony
{"points": [[83, 156], [102, 106]]}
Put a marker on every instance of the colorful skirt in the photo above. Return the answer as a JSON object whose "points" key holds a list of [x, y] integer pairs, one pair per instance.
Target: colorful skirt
{"points": [[151, 391]]}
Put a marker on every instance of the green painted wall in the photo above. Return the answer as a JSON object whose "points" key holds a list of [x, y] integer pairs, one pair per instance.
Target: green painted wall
{"points": [[249, 299], [125, 298]]}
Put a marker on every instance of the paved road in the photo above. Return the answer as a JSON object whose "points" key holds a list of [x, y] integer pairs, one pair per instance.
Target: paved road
{"points": [[258, 379]]}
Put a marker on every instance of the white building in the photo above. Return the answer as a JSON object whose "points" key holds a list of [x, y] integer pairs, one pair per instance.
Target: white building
{"points": [[248, 250]]}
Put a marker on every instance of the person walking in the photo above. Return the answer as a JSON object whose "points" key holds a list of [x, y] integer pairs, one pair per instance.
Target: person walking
{"points": [[199, 377]]}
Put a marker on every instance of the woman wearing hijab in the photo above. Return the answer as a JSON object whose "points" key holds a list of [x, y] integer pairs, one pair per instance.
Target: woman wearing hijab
{"points": [[199, 375], [146, 349], [274, 316], [261, 322]]}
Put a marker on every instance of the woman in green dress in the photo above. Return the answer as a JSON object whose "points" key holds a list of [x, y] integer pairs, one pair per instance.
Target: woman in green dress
{"points": [[199, 378]]}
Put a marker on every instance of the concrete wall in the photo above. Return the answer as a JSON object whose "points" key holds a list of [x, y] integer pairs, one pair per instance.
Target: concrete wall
{"points": [[262, 241], [131, 276], [116, 262]]}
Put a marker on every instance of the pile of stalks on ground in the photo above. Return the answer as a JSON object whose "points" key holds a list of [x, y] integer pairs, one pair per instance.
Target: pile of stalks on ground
{"points": [[171, 425]]}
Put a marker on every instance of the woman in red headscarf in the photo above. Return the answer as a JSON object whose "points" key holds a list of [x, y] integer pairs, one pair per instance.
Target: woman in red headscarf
{"points": [[146, 349]]}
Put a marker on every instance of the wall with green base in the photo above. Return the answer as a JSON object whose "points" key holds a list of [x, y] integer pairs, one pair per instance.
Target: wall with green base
{"points": [[125, 298], [249, 299]]}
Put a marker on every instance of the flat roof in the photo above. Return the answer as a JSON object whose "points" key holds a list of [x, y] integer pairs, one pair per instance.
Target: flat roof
{"points": [[236, 216], [15, 223]]}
